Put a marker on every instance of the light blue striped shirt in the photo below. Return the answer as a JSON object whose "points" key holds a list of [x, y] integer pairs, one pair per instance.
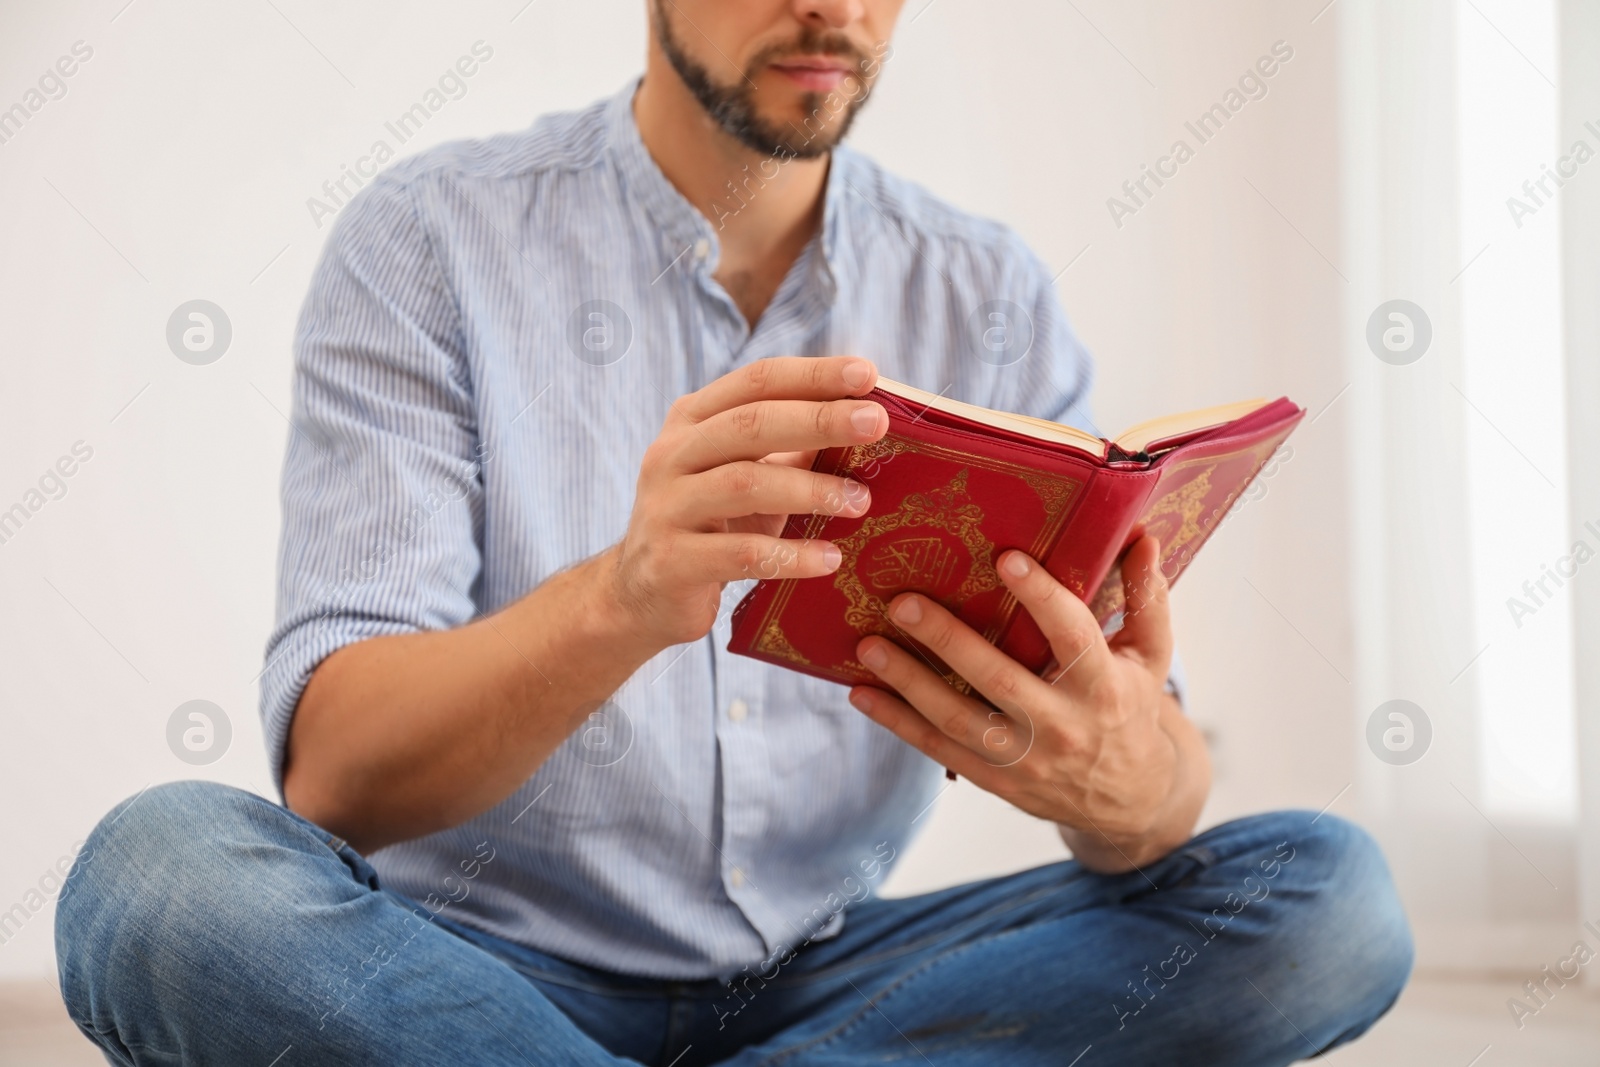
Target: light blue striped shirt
{"points": [[490, 342]]}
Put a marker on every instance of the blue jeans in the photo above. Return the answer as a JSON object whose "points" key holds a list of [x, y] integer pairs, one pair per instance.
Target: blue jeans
{"points": [[204, 925]]}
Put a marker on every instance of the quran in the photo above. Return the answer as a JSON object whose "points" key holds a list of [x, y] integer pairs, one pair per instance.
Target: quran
{"points": [[954, 485]]}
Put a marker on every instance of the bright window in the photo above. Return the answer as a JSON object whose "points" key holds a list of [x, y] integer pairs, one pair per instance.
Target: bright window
{"points": [[1512, 155]]}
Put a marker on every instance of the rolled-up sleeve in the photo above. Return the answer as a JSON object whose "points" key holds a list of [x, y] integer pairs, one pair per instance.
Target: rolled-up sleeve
{"points": [[382, 488]]}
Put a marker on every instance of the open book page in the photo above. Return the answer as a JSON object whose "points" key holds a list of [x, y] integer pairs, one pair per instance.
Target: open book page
{"points": [[1043, 429], [1139, 437], [1133, 439]]}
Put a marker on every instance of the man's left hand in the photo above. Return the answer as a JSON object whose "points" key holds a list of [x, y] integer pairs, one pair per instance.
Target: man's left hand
{"points": [[1096, 745]]}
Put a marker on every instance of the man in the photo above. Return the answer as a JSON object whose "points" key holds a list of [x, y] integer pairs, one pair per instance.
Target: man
{"points": [[555, 393]]}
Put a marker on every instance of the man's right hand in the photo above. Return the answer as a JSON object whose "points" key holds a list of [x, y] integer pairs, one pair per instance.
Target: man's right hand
{"points": [[730, 465]]}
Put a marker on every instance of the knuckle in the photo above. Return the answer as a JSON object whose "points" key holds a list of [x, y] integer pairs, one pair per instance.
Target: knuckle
{"points": [[1078, 638], [1035, 772], [655, 457], [826, 495], [816, 373], [747, 421], [1055, 735], [740, 479], [914, 735], [822, 420], [656, 557], [1106, 697], [1155, 580], [680, 411], [955, 723], [940, 633], [1002, 685], [1008, 793], [749, 553], [927, 738], [758, 376]]}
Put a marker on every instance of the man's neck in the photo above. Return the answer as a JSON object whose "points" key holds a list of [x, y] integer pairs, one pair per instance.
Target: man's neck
{"points": [[764, 212]]}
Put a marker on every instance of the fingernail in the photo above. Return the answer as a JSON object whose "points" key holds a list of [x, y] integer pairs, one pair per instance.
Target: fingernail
{"points": [[831, 557], [861, 702], [865, 418], [1015, 565], [855, 374], [909, 611], [875, 658]]}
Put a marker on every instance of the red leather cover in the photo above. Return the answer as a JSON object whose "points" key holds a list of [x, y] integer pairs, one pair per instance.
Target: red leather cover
{"points": [[950, 495]]}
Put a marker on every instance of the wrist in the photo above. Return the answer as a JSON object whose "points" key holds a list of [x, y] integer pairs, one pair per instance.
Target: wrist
{"points": [[577, 622], [613, 613]]}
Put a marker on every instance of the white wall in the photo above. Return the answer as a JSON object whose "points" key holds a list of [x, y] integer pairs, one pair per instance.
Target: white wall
{"points": [[178, 166]]}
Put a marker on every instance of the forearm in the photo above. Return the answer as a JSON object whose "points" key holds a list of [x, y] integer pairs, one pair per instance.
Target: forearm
{"points": [[400, 736], [1176, 818], [396, 737]]}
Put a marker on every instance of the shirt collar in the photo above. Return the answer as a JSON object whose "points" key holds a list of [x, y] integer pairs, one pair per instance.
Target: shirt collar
{"points": [[683, 225]]}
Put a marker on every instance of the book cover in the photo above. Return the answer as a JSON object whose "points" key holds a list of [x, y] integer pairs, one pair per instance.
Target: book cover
{"points": [[950, 494]]}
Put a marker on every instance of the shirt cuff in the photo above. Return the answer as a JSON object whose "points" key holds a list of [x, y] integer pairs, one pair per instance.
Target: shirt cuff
{"points": [[1177, 681]]}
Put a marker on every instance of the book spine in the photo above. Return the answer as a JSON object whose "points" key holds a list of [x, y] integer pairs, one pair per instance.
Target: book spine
{"points": [[1090, 544]]}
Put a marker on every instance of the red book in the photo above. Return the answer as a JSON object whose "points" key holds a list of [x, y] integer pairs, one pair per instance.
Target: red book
{"points": [[955, 485]]}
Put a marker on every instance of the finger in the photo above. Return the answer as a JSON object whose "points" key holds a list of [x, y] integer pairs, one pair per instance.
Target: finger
{"points": [[997, 738], [910, 726], [753, 431], [1005, 682], [1067, 623], [781, 378], [1146, 632], [730, 557], [735, 490], [958, 717]]}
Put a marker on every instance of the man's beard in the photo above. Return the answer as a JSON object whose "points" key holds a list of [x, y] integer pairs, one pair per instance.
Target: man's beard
{"points": [[733, 107]]}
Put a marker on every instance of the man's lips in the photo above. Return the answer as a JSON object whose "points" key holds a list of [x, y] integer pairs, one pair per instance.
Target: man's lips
{"points": [[820, 74]]}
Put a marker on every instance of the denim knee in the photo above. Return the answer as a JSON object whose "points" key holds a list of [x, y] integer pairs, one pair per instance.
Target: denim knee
{"points": [[129, 905], [1363, 874], [1346, 912]]}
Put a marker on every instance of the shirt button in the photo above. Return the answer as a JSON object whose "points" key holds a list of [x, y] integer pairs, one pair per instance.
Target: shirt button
{"points": [[702, 248], [738, 711], [736, 878]]}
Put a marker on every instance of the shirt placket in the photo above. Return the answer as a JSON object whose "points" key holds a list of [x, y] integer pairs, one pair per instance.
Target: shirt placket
{"points": [[745, 764], [737, 691], [750, 799]]}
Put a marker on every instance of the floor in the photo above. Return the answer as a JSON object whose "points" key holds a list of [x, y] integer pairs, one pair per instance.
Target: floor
{"points": [[1449, 1022], [35, 1030], [1456, 1023]]}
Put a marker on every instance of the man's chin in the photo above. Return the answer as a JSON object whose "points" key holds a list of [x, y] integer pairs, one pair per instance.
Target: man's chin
{"points": [[804, 128]]}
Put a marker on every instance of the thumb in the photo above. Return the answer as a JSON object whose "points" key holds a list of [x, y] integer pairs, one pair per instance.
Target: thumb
{"points": [[1146, 632]]}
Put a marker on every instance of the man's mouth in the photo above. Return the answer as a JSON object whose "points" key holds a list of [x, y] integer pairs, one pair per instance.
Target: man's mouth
{"points": [[815, 74]]}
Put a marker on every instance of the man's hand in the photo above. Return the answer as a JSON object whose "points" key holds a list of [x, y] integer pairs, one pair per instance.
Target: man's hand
{"points": [[1100, 748], [408, 734], [727, 470]]}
